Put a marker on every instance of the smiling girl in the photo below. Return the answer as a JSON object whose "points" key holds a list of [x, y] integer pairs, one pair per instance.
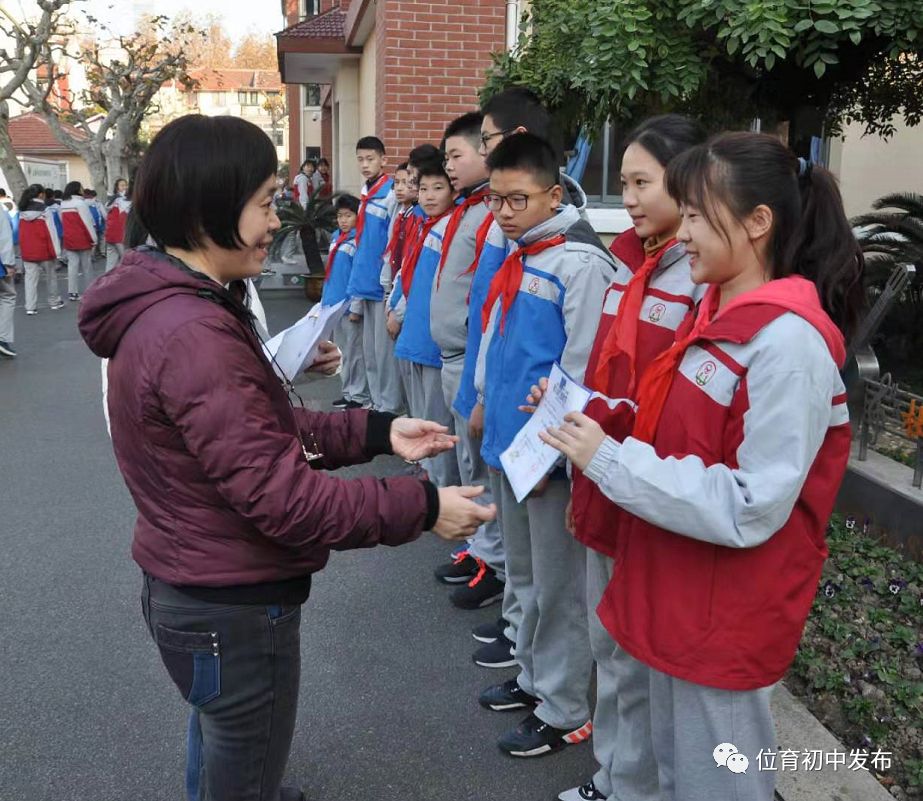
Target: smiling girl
{"points": [[738, 449]]}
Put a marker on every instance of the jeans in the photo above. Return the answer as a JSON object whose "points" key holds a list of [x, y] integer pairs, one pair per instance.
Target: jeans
{"points": [[238, 667]]}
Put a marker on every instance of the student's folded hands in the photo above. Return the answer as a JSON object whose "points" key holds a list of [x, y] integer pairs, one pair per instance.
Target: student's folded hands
{"points": [[578, 438]]}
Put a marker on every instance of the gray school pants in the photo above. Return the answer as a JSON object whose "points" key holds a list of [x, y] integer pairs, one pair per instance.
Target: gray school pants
{"points": [[427, 403], [404, 368], [114, 253], [487, 542], [34, 270], [516, 514], [349, 340], [688, 721], [7, 307], [78, 260], [622, 741], [373, 328], [547, 569], [389, 380]]}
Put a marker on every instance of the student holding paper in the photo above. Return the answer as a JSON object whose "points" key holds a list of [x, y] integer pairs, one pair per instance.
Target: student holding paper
{"points": [[235, 509], [542, 307]]}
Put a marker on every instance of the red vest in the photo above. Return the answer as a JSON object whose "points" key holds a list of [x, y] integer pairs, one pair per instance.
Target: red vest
{"points": [[76, 234], [35, 241], [718, 616], [596, 518], [115, 225]]}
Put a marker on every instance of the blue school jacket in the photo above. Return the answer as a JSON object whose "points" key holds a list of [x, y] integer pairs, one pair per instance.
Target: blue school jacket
{"points": [[340, 270], [365, 279]]}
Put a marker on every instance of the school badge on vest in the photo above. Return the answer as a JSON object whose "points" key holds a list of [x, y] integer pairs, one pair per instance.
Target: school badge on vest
{"points": [[658, 310], [706, 373]]}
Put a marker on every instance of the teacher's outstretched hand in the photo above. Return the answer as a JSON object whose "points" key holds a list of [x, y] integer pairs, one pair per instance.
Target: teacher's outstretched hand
{"points": [[413, 439], [459, 515]]}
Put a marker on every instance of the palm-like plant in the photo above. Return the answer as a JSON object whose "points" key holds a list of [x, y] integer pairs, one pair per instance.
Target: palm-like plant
{"points": [[311, 224], [890, 235]]}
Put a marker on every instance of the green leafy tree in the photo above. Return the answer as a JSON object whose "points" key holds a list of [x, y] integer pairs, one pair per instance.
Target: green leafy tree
{"points": [[727, 61]]}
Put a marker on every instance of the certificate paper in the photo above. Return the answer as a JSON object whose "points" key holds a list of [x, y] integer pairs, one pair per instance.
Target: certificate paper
{"points": [[528, 460], [295, 349]]}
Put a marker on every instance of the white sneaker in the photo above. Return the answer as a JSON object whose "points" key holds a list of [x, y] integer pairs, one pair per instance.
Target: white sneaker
{"points": [[31, 313], [58, 305], [587, 792]]}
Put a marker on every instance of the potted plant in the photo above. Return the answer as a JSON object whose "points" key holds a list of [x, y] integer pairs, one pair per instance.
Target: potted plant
{"points": [[312, 225]]}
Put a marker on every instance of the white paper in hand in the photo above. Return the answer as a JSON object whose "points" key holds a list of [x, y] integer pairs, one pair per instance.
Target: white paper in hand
{"points": [[528, 460], [295, 349]]}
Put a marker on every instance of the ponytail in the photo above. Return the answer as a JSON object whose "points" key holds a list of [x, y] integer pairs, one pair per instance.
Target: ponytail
{"points": [[811, 235], [31, 193]]}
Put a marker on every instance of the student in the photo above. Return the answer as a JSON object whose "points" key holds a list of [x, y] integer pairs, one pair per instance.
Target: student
{"points": [[7, 287], [323, 170], [449, 324], [302, 185], [375, 210], [653, 295], [116, 217], [519, 111], [738, 449], [393, 387], [336, 278], [98, 213], [39, 246], [79, 236], [119, 189], [542, 307], [415, 342]]}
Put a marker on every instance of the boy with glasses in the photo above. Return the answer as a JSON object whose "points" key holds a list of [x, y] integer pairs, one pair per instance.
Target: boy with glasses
{"points": [[543, 306]]}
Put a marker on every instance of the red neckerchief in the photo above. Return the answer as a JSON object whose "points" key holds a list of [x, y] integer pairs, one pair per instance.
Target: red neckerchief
{"points": [[333, 252], [454, 222], [658, 378], [479, 241], [505, 284], [360, 220], [622, 337], [410, 263], [394, 253]]}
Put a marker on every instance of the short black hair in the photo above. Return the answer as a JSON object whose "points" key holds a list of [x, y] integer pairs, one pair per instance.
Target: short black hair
{"points": [[467, 126], [371, 143], [347, 202], [323, 161], [527, 152], [422, 154], [306, 162], [2, 192], [519, 107], [73, 188], [402, 166], [198, 174], [58, 194], [431, 169]]}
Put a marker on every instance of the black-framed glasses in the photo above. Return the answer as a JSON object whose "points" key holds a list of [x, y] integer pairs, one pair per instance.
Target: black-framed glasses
{"points": [[486, 137], [517, 201]]}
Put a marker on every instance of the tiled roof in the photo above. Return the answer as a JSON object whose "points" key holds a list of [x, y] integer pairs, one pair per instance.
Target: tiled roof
{"points": [[230, 80], [31, 135], [329, 25]]}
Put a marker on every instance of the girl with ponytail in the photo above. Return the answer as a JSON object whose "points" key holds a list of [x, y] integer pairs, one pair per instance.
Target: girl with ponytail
{"points": [[738, 448]]}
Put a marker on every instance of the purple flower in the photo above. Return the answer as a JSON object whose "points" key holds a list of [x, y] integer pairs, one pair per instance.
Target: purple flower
{"points": [[850, 523], [831, 589], [918, 651], [896, 586], [867, 583]]}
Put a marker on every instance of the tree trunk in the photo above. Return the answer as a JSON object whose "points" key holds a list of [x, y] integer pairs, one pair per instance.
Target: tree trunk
{"points": [[311, 250], [10, 165]]}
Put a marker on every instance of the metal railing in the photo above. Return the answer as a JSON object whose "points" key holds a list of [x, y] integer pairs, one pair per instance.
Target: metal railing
{"points": [[888, 409]]}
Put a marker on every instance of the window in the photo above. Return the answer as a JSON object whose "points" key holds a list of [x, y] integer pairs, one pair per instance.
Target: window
{"points": [[602, 179], [221, 99], [309, 8], [254, 98], [242, 98], [277, 136], [311, 94]]}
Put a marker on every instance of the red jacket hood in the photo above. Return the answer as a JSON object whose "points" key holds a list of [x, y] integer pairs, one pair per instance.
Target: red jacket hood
{"points": [[116, 299], [795, 294]]}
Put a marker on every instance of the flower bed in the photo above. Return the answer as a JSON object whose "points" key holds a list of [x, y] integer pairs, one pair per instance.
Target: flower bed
{"points": [[860, 665]]}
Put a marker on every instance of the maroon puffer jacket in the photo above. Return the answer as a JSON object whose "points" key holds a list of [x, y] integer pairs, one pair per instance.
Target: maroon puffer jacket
{"points": [[207, 441]]}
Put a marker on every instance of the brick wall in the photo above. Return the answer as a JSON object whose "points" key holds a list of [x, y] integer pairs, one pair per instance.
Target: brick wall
{"points": [[432, 57]]}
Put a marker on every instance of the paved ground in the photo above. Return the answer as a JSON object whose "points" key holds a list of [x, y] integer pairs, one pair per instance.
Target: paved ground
{"points": [[87, 713]]}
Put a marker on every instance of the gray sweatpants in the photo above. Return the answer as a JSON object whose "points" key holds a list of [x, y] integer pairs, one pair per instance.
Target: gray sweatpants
{"points": [[622, 741], [373, 328], [427, 402], [547, 569], [114, 253], [389, 380], [688, 721], [487, 542], [348, 337], [34, 270], [77, 261], [7, 307], [517, 515]]}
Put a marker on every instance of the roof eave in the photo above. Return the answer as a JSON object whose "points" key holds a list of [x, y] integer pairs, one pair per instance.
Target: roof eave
{"points": [[359, 22]]}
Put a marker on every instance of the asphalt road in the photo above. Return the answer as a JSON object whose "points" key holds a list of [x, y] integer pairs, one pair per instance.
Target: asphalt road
{"points": [[388, 706]]}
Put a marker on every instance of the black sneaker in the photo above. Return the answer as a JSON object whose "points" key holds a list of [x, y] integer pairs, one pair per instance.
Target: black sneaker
{"points": [[586, 792], [73, 296], [483, 590], [506, 697], [489, 632], [533, 737], [352, 405], [7, 349], [499, 654], [459, 571], [339, 403]]}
